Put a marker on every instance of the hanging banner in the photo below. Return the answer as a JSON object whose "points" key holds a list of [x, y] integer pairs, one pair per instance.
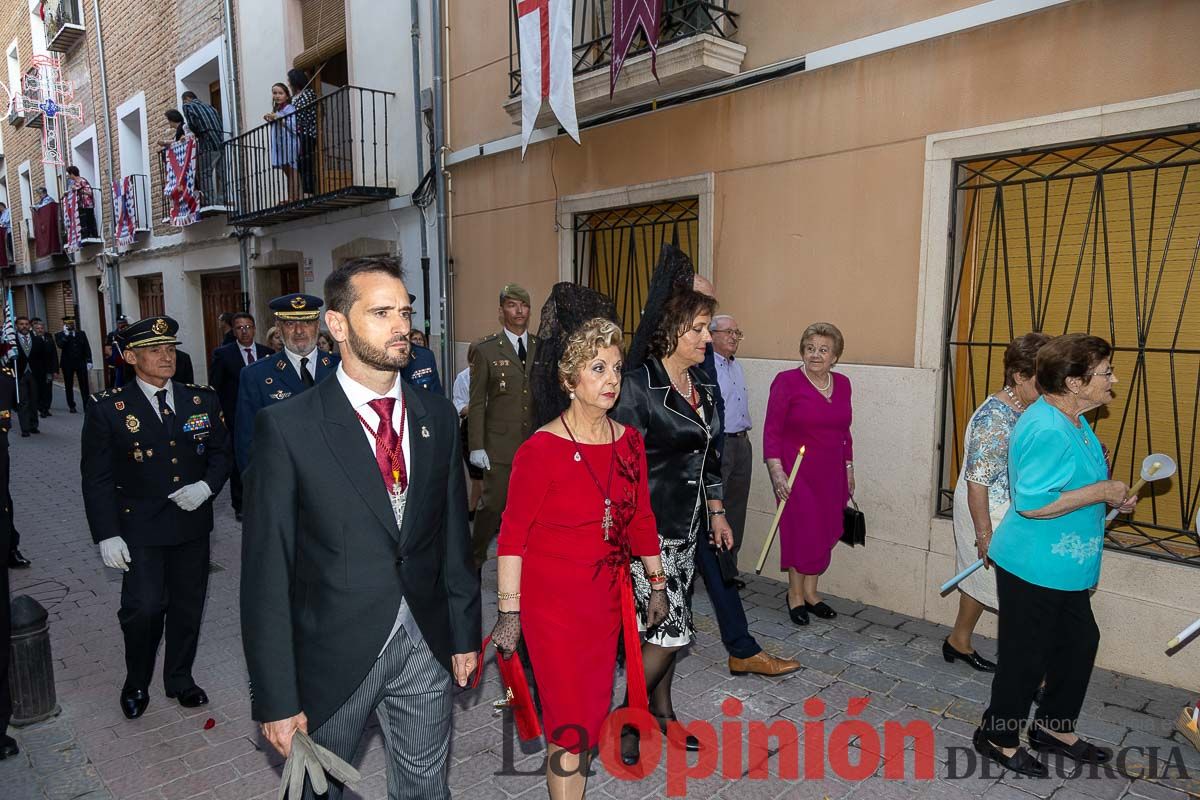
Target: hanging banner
{"points": [[124, 229], [628, 16], [71, 222], [182, 204], [544, 28]]}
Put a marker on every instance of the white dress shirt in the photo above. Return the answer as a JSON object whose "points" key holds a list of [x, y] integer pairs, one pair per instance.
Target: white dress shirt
{"points": [[312, 367], [461, 394], [249, 354], [513, 339], [151, 391], [360, 398]]}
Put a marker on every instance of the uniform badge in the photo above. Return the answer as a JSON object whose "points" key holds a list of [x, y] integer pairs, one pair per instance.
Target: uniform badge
{"points": [[280, 395], [195, 401], [325, 361], [424, 432], [119, 405], [137, 454], [149, 453], [196, 422], [160, 326], [298, 303], [132, 424], [200, 448], [503, 384], [269, 381], [281, 365]]}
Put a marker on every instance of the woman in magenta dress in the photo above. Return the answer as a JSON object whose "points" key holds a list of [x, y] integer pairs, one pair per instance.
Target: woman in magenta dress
{"points": [[810, 407], [578, 511]]}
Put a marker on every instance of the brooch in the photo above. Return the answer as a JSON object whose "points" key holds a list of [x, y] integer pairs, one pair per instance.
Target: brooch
{"points": [[424, 432], [119, 405], [325, 361], [196, 401], [132, 423]]}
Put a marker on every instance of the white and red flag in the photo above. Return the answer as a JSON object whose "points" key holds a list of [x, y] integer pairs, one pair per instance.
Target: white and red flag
{"points": [[544, 27]]}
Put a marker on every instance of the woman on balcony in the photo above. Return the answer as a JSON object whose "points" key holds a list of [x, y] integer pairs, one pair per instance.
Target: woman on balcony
{"points": [[86, 203], [284, 139]]}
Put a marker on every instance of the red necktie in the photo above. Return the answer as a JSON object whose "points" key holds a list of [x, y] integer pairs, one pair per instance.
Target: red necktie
{"points": [[249, 356], [388, 454]]}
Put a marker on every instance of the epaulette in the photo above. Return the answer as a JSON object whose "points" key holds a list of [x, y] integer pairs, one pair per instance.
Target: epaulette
{"points": [[200, 387], [9, 371], [491, 338]]}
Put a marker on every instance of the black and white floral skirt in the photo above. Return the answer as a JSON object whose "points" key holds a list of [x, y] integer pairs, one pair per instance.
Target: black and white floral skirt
{"points": [[679, 564]]}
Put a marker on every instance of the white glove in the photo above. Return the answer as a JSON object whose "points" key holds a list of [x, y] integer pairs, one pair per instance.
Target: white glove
{"points": [[89, 366], [115, 554], [192, 496], [480, 459]]}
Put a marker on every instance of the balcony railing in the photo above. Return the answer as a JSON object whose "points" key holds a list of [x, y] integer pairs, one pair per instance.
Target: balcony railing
{"points": [[331, 154], [64, 26], [592, 32], [210, 178]]}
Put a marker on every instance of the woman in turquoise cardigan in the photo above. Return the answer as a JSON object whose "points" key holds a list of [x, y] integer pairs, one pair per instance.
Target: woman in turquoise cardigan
{"points": [[1047, 558]]}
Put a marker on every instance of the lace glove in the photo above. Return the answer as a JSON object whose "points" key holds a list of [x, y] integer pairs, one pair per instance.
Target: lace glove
{"points": [[657, 608], [507, 632]]}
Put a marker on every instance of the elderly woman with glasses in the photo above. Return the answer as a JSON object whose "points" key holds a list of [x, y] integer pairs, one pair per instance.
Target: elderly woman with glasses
{"points": [[810, 406], [1046, 553]]}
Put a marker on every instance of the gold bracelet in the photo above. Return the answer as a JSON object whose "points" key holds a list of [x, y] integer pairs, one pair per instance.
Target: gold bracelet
{"points": [[659, 574], [508, 595]]}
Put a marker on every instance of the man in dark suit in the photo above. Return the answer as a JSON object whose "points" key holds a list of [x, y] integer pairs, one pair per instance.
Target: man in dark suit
{"points": [[45, 378], [184, 372], [31, 357], [75, 360], [8, 402], [154, 454], [335, 625], [113, 358], [299, 366], [225, 374]]}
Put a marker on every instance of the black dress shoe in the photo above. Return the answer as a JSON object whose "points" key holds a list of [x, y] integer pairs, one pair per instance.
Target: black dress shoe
{"points": [[24, 434], [691, 743], [134, 702], [192, 697], [739, 584], [820, 609], [1020, 762], [8, 747], [17, 561], [976, 661], [799, 614], [73, 411], [1081, 752]]}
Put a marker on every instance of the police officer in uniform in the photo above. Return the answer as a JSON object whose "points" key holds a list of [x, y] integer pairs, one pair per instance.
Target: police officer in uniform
{"points": [[421, 370], [500, 415], [298, 366], [154, 453]]}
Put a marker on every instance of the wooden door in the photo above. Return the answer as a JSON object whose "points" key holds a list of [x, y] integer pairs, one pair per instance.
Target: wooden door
{"points": [[220, 292], [150, 297]]}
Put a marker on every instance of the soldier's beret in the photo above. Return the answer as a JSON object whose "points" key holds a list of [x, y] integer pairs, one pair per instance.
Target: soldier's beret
{"points": [[150, 332], [515, 292], [297, 306]]}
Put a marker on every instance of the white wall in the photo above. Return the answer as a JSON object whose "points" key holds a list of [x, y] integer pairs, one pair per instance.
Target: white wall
{"points": [[261, 22]]}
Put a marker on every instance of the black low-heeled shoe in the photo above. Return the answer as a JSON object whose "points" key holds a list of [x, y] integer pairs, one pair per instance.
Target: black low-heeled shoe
{"points": [[1081, 752], [631, 746], [974, 660], [799, 615], [1020, 762], [820, 609], [691, 743]]}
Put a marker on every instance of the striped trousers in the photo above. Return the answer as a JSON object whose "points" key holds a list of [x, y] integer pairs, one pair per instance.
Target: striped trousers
{"points": [[410, 692]]}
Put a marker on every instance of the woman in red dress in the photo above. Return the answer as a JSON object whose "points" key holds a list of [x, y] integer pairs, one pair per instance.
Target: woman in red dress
{"points": [[578, 511]]}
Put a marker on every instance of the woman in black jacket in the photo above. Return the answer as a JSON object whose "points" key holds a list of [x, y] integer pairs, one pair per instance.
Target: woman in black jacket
{"points": [[670, 400]]}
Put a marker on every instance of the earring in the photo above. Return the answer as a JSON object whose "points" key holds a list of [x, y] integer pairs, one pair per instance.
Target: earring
{"points": [[572, 395]]}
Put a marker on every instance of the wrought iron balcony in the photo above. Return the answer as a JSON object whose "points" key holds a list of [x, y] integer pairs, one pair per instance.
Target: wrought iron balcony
{"points": [[329, 155], [64, 26], [695, 45]]}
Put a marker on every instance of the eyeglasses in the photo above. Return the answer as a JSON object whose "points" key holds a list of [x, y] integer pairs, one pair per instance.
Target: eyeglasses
{"points": [[734, 332], [243, 327], [1108, 374]]}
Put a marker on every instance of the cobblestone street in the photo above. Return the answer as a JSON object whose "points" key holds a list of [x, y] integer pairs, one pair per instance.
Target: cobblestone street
{"points": [[215, 753]]}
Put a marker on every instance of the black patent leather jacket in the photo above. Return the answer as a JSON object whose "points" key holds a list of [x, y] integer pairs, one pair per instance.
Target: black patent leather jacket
{"points": [[684, 465]]}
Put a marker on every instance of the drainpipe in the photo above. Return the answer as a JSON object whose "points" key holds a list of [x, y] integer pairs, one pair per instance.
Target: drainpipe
{"points": [[418, 131], [235, 130], [439, 155], [112, 264]]}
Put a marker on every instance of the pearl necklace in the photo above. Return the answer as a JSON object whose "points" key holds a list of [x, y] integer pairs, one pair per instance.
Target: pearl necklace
{"points": [[691, 389], [1016, 401], [821, 389]]}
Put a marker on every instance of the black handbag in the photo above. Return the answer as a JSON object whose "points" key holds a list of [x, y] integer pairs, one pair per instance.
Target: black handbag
{"points": [[727, 561], [854, 525]]}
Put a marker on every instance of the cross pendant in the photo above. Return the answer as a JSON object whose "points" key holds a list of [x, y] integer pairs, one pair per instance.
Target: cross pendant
{"points": [[608, 519]]}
